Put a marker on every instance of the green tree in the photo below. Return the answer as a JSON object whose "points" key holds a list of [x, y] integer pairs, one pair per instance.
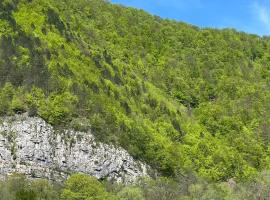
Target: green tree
{"points": [[131, 193], [83, 187]]}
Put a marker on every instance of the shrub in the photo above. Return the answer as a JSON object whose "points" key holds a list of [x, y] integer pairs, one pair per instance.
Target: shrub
{"points": [[83, 187]]}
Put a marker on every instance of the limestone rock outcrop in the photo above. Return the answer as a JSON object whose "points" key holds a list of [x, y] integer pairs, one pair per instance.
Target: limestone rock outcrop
{"points": [[33, 147]]}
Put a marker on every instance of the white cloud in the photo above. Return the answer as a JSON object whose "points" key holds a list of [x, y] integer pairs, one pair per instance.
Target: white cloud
{"points": [[262, 14]]}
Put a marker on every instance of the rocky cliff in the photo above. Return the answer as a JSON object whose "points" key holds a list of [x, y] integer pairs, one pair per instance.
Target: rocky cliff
{"points": [[35, 148]]}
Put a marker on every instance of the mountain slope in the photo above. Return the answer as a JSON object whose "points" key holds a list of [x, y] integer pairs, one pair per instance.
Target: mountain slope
{"points": [[176, 96]]}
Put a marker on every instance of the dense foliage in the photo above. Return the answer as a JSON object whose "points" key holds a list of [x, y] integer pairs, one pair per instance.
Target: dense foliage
{"points": [[83, 187], [176, 96]]}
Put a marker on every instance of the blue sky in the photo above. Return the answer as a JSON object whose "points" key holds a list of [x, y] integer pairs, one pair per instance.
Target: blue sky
{"points": [[252, 16]]}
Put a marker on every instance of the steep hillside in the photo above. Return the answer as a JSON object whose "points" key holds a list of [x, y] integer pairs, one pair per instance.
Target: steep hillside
{"points": [[175, 96]]}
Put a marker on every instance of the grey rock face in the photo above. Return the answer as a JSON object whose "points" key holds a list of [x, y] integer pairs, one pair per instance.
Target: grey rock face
{"points": [[33, 147]]}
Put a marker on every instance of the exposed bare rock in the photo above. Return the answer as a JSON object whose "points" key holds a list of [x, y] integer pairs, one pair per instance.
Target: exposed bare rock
{"points": [[35, 148]]}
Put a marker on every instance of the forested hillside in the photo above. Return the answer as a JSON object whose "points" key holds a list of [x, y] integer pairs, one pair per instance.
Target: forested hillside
{"points": [[180, 98]]}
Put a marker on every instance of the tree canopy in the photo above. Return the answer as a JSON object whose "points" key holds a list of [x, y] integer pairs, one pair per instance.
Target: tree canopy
{"points": [[176, 96]]}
